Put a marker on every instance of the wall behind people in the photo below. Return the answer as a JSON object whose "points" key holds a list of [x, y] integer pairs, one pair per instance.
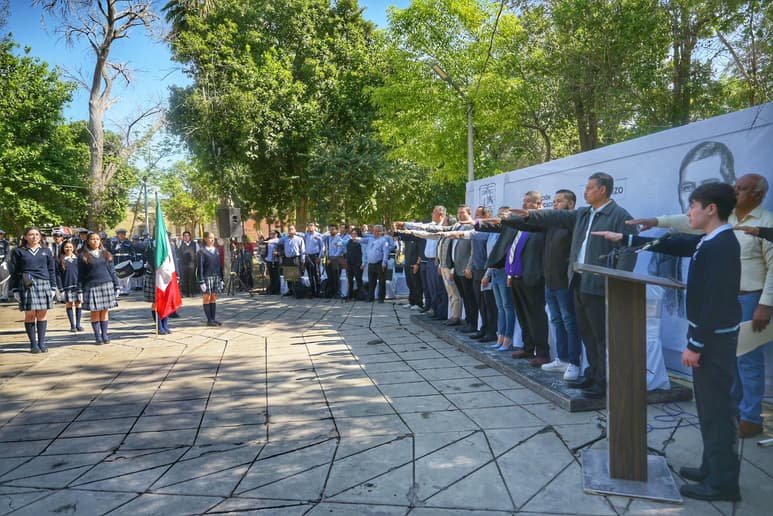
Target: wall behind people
{"points": [[652, 175]]}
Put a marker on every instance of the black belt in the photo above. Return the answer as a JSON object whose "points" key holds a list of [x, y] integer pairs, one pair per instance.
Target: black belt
{"points": [[745, 292]]}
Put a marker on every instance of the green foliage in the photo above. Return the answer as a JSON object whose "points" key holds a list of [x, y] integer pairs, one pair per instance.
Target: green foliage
{"points": [[41, 162], [278, 116], [188, 199]]}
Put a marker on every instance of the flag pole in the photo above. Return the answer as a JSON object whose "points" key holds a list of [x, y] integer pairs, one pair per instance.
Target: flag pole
{"points": [[155, 251]]}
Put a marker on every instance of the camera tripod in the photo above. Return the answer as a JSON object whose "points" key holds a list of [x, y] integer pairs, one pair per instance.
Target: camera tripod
{"points": [[234, 282]]}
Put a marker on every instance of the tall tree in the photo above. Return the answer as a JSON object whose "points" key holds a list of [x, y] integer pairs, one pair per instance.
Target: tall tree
{"points": [[102, 23]]}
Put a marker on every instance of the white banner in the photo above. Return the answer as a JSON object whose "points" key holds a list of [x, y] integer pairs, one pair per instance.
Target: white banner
{"points": [[653, 176]]}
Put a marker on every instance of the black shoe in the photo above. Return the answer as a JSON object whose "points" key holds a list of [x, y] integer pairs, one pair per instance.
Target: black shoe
{"points": [[693, 474], [34, 349], [73, 330], [211, 323], [43, 347], [79, 328], [217, 323], [488, 338], [710, 494], [477, 336], [106, 340], [580, 384], [595, 392], [468, 329]]}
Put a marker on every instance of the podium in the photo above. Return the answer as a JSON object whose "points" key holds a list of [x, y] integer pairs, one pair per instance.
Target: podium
{"points": [[626, 469]]}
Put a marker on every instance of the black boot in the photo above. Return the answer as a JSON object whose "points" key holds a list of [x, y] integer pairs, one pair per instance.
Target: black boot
{"points": [[105, 336], [32, 336], [212, 309], [42, 325], [71, 318], [97, 332], [208, 313], [78, 313]]}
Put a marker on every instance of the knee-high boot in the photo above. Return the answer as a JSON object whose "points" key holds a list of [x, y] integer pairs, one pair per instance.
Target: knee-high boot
{"points": [[32, 336], [42, 325]]}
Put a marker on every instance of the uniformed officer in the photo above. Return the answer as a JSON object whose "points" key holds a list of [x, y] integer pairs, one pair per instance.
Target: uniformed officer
{"points": [[122, 252]]}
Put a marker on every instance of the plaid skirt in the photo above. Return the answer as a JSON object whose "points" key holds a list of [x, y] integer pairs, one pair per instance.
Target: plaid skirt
{"points": [[149, 288], [37, 297], [99, 297], [213, 284], [70, 294]]}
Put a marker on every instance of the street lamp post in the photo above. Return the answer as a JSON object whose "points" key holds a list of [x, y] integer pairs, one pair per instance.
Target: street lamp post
{"points": [[443, 75]]}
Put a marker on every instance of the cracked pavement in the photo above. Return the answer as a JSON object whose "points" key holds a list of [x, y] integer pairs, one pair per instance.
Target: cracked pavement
{"points": [[302, 407]]}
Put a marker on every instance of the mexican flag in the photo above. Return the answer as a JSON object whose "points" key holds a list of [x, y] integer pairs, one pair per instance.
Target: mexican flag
{"points": [[168, 298]]}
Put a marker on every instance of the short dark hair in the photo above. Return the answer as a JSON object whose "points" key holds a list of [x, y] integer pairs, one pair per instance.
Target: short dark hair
{"points": [[706, 150], [720, 194], [333, 226], [605, 180], [568, 194]]}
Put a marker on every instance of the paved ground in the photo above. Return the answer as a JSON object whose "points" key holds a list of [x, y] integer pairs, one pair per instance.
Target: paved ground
{"points": [[301, 407]]}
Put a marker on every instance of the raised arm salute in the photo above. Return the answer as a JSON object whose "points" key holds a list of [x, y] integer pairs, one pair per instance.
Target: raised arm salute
{"points": [[602, 214]]}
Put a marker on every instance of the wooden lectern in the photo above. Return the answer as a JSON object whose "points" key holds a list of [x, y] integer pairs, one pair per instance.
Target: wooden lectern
{"points": [[626, 469]]}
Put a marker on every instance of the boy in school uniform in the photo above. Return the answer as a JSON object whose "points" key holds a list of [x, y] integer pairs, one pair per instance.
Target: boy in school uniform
{"points": [[714, 315]]}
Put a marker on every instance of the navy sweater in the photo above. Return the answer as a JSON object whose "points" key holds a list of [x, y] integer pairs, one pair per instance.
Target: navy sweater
{"points": [[713, 281], [208, 265], [39, 264], [67, 274], [96, 271]]}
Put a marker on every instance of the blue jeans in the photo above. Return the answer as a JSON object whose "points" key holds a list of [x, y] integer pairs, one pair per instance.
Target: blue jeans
{"points": [[749, 387], [564, 321], [505, 305]]}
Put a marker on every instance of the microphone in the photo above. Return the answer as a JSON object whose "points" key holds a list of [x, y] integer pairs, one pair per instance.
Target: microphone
{"points": [[653, 243]]}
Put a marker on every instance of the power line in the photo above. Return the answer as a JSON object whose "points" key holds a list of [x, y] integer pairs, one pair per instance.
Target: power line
{"points": [[490, 47]]}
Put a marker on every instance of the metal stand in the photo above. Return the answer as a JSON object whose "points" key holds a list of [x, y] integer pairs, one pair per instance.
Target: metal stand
{"points": [[658, 486]]}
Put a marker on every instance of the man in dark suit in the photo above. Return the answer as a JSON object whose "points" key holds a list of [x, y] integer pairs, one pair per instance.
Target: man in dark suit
{"points": [[602, 214], [526, 279], [461, 254]]}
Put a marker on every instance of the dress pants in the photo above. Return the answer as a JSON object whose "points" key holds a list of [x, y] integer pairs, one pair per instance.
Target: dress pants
{"points": [[713, 382], [468, 299], [274, 284], [435, 295], [353, 274], [313, 272], [590, 310], [333, 270], [486, 304], [415, 290], [452, 291], [376, 272], [530, 310]]}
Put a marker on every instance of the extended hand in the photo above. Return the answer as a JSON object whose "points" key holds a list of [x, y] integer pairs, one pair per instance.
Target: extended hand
{"points": [[468, 273], [749, 230], [645, 224], [609, 235], [484, 282], [520, 212], [761, 317]]}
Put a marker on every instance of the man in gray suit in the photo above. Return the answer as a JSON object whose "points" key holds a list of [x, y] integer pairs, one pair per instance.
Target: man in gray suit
{"points": [[461, 254], [602, 214]]}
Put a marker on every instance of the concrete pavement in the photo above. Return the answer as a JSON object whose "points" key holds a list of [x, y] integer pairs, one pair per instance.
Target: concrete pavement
{"points": [[302, 407]]}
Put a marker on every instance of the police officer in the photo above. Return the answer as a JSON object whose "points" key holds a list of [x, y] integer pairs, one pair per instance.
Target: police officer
{"points": [[122, 251]]}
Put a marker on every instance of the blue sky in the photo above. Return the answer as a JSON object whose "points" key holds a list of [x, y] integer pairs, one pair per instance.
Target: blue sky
{"points": [[150, 60]]}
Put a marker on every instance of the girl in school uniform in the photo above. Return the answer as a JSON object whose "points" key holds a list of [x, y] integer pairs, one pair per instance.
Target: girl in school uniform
{"points": [[210, 276], [96, 273], [69, 286], [32, 282]]}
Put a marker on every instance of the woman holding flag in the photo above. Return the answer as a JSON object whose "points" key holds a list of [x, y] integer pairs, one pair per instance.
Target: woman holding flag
{"points": [[166, 297]]}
